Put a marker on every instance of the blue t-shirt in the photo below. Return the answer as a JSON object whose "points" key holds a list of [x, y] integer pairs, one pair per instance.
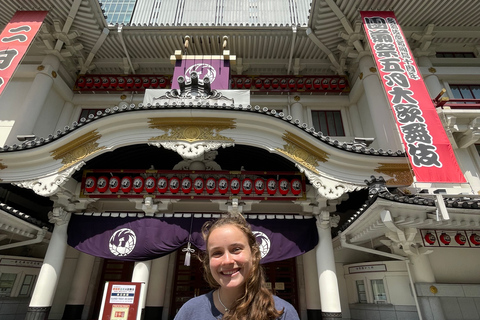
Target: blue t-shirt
{"points": [[203, 308]]}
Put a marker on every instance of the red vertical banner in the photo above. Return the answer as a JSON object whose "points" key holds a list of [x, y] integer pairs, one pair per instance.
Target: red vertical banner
{"points": [[426, 143], [15, 40]]}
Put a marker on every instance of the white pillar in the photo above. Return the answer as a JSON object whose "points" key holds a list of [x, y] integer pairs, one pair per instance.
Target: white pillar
{"points": [[356, 121], [141, 273], [44, 291], [430, 78], [30, 110], [383, 121], [79, 288], [65, 116], [156, 289], [296, 110], [327, 278], [312, 292]]}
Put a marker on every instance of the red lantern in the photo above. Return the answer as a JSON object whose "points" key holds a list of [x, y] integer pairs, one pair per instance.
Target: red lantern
{"points": [[174, 185], [283, 186], [296, 187], [271, 186], [102, 184], [259, 186], [283, 83], [300, 83], [105, 82], [308, 84], [275, 83], [90, 184], [460, 239], [97, 82], [130, 82], [258, 83], [235, 185], [127, 184], [430, 238], [325, 83], [342, 83], [81, 82], [162, 184], [211, 185], [239, 83], [138, 183], [121, 82], [114, 184], [186, 185], [150, 184], [113, 82], [145, 82], [334, 83], [317, 83], [162, 83], [198, 185], [154, 83], [223, 185], [445, 238], [247, 83], [291, 83], [475, 239], [247, 186], [137, 82], [89, 82], [267, 83]]}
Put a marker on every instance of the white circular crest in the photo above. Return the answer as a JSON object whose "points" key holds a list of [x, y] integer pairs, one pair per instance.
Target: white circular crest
{"points": [[203, 70], [122, 242], [263, 243]]}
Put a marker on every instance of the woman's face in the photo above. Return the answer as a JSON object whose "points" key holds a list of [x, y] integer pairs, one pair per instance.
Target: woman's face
{"points": [[230, 256]]}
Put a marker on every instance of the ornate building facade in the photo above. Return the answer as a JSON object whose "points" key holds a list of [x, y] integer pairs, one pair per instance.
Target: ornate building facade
{"points": [[120, 141]]}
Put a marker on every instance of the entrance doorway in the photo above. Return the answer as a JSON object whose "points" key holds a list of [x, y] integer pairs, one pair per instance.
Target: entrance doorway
{"points": [[188, 282]]}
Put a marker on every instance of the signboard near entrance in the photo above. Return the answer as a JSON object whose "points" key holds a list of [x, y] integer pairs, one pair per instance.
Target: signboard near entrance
{"points": [[121, 301]]}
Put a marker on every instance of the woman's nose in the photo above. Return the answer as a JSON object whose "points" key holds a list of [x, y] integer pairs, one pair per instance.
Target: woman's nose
{"points": [[227, 258]]}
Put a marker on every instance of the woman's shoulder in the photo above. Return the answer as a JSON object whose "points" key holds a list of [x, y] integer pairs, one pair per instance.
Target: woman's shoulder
{"points": [[197, 308], [289, 312]]}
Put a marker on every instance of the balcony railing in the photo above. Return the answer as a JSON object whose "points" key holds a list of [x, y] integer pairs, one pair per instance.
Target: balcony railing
{"points": [[441, 102]]}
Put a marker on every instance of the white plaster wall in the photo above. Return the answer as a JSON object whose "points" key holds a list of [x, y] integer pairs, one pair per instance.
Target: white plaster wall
{"points": [[51, 111], [456, 265]]}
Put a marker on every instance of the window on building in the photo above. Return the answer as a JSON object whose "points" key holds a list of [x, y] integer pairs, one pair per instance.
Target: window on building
{"points": [[465, 91], [7, 280], [379, 293], [328, 122], [455, 55], [27, 285], [362, 294]]}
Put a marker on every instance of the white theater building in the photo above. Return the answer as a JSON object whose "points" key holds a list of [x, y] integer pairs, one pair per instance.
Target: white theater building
{"points": [[102, 147]]}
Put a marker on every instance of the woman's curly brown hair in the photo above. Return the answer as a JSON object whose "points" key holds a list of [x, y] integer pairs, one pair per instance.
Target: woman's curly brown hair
{"points": [[257, 302]]}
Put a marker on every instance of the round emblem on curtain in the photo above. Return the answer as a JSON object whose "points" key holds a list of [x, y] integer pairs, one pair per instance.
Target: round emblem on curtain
{"points": [[204, 70], [122, 242], [263, 243]]}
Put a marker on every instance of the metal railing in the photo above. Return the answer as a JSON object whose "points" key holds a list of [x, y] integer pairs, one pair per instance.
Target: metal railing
{"points": [[440, 102]]}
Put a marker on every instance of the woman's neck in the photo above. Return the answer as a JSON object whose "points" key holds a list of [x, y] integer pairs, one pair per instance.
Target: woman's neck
{"points": [[228, 296]]}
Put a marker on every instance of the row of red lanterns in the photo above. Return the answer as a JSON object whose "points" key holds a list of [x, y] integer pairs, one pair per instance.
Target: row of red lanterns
{"points": [[446, 239], [289, 83], [120, 82], [198, 185]]}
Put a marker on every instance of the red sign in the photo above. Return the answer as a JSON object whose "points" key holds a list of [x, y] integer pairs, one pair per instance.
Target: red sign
{"points": [[15, 40], [121, 301], [428, 148]]}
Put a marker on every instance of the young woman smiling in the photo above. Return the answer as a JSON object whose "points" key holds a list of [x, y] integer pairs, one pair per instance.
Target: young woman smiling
{"points": [[232, 269]]}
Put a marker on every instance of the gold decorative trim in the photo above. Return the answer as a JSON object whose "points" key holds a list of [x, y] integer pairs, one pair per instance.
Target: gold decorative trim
{"points": [[191, 129], [373, 69], [303, 152], [40, 67], [360, 75], [78, 149], [401, 173], [432, 70], [433, 289], [2, 166]]}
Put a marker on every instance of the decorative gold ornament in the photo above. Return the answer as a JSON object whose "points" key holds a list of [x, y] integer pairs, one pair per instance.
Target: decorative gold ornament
{"points": [[192, 129], [2, 166], [433, 289], [54, 74], [303, 152], [40, 68], [400, 173], [123, 96], [373, 69], [296, 98], [78, 149], [432, 70], [360, 76]]}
